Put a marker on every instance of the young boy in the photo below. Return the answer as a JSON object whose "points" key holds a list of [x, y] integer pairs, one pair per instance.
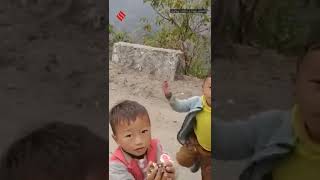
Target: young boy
{"points": [[195, 133], [137, 152], [279, 145], [56, 151]]}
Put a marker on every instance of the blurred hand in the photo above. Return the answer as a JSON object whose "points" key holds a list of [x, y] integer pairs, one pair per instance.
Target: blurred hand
{"points": [[165, 88], [169, 171], [153, 172], [190, 144]]}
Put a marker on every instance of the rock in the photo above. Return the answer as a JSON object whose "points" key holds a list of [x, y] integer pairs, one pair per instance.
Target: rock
{"points": [[164, 64]]}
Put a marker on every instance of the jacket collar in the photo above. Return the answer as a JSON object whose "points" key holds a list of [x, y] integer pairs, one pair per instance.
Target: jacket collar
{"points": [[197, 105], [281, 142], [126, 159], [284, 135]]}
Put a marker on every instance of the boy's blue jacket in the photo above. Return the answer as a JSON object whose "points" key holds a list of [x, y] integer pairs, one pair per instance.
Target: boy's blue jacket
{"points": [[192, 105], [263, 139]]}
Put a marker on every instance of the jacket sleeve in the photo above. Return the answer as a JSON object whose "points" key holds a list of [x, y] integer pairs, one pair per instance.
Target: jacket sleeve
{"points": [[239, 139], [118, 171], [183, 105]]}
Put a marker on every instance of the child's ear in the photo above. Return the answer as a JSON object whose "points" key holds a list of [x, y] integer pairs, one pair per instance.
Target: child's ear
{"points": [[115, 138]]}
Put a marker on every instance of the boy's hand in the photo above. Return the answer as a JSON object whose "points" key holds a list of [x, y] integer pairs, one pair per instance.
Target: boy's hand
{"points": [[169, 171], [191, 144], [154, 172], [166, 91]]}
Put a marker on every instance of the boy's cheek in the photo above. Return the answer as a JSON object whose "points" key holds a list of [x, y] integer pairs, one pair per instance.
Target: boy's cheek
{"points": [[123, 142], [311, 103]]}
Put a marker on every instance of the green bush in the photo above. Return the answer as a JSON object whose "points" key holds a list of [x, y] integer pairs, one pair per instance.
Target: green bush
{"points": [[283, 25], [182, 31], [198, 69]]}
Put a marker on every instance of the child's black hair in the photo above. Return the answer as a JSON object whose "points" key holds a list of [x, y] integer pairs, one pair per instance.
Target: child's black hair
{"points": [[125, 111], [312, 43], [57, 151], [308, 48]]}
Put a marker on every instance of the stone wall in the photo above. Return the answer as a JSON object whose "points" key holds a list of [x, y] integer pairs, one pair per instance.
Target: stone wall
{"points": [[164, 64]]}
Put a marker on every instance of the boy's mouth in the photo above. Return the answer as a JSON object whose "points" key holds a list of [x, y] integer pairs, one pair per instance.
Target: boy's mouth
{"points": [[141, 149]]}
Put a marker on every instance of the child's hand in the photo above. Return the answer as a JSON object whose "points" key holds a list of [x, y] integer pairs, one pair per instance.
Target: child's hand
{"points": [[169, 171], [154, 172], [165, 88], [190, 144]]}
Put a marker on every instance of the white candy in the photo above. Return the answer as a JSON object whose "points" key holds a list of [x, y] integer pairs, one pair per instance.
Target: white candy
{"points": [[165, 158]]}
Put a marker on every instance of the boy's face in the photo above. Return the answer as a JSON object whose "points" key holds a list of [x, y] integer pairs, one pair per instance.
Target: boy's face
{"points": [[308, 90], [206, 90], [135, 137]]}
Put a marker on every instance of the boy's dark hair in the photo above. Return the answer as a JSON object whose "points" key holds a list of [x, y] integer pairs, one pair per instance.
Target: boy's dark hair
{"points": [[308, 48], [312, 43], [125, 111], [57, 151]]}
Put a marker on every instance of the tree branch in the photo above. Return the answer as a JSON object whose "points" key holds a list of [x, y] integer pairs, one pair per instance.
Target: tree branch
{"points": [[171, 19], [202, 30], [166, 18], [199, 24]]}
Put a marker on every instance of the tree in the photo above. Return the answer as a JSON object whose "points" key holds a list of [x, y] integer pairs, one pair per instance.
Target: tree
{"points": [[182, 31], [116, 35], [281, 25]]}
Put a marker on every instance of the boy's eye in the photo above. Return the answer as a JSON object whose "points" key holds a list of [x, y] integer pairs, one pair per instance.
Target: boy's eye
{"points": [[316, 81], [144, 131], [128, 135]]}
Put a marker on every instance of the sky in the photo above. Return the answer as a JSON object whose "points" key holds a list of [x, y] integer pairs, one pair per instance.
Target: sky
{"points": [[134, 10]]}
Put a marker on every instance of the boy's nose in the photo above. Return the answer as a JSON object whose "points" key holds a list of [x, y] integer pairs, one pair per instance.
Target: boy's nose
{"points": [[138, 140]]}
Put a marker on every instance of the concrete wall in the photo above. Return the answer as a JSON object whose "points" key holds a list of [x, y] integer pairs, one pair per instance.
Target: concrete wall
{"points": [[164, 64]]}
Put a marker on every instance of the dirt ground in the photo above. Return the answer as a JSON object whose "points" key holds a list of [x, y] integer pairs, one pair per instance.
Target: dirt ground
{"points": [[55, 71], [254, 81]]}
